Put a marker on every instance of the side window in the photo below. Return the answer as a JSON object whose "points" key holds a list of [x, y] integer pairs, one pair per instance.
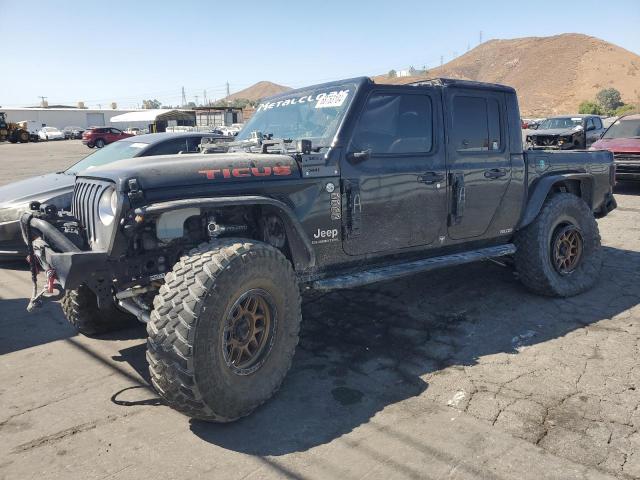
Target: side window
{"points": [[192, 144], [476, 124], [115, 130], [598, 122], [395, 123], [169, 147]]}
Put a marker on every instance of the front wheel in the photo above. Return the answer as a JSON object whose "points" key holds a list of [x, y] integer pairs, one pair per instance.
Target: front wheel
{"points": [[224, 329], [80, 307], [99, 143], [559, 253]]}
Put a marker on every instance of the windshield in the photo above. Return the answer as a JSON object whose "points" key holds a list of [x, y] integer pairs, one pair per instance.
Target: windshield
{"points": [[624, 129], [553, 123], [312, 115], [108, 154]]}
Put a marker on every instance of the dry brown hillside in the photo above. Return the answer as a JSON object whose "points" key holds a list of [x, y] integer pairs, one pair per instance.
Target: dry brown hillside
{"points": [[258, 91], [552, 75]]}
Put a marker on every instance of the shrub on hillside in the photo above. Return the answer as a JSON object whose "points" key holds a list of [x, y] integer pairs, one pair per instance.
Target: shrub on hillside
{"points": [[588, 107]]}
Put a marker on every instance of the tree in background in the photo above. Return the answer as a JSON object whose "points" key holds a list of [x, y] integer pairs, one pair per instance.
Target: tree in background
{"points": [[625, 109], [392, 74], [151, 104], [236, 103], [609, 100], [591, 108]]}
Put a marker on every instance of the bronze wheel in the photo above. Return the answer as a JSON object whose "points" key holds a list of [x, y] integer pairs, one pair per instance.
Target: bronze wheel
{"points": [[249, 332], [567, 248]]}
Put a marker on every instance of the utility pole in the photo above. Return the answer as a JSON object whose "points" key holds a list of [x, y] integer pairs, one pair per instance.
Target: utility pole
{"points": [[468, 46], [228, 93], [480, 38], [42, 100], [204, 98], [441, 60], [184, 98], [196, 100]]}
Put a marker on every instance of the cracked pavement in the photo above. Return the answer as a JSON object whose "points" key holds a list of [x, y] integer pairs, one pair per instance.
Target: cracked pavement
{"points": [[459, 373]]}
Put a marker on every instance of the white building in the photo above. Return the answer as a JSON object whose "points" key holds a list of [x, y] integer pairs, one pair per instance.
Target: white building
{"points": [[64, 117]]}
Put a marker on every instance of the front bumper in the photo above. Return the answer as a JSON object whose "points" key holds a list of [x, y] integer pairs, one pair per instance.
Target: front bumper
{"points": [[564, 146], [76, 268]]}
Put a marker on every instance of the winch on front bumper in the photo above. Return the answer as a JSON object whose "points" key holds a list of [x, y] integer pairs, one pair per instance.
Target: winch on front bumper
{"points": [[58, 245]]}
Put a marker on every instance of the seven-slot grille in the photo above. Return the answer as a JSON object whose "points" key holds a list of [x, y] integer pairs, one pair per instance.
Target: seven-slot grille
{"points": [[84, 205]]}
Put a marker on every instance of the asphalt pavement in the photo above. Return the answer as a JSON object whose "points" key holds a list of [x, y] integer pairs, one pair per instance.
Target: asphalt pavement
{"points": [[459, 373]]}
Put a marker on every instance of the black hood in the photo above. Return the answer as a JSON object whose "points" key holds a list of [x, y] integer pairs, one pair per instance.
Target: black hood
{"points": [[52, 188], [169, 171]]}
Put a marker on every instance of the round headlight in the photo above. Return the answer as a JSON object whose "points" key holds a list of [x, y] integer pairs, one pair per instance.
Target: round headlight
{"points": [[107, 206]]}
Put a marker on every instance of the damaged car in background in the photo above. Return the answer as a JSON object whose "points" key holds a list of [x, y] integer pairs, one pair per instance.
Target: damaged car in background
{"points": [[566, 133]]}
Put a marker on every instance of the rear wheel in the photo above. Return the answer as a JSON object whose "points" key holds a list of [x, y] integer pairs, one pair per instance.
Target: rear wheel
{"points": [[559, 253], [80, 307], [224, 329], [23, 136], [99, 143]]}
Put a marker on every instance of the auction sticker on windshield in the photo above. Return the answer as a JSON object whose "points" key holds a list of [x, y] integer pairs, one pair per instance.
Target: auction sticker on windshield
{"points": [[332, 99]]}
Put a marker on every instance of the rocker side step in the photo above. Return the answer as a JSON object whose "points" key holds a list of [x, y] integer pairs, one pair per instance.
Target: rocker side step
{"points": [[392, 272]]}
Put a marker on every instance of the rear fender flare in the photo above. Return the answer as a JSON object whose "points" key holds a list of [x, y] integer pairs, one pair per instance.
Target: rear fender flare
{"points": [[541, 189], [301, 249]]}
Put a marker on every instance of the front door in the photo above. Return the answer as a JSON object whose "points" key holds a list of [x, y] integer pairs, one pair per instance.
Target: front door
{"points": [[478, 159], [394, 172]]}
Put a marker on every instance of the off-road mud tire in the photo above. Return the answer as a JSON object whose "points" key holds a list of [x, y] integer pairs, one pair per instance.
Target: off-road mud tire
{"points": [[185, 344], [80, 307], [533, 259]]}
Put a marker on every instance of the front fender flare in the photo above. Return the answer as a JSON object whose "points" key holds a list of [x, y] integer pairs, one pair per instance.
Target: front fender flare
{"points": [[541, 191], [301, 249]]}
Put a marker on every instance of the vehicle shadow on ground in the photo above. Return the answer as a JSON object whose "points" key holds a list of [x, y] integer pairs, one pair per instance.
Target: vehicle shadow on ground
{"points": [[364, 349]]}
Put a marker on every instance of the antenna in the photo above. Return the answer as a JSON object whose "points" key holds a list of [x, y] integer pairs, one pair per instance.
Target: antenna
{"points": [[184, 98]]}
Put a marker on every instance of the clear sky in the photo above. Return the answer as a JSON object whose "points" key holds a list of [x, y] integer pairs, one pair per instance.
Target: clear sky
{"points": [[126, 51]]}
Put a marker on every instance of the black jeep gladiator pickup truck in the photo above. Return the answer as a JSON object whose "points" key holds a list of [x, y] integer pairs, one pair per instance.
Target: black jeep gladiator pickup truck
{"points": [[331, 186]]}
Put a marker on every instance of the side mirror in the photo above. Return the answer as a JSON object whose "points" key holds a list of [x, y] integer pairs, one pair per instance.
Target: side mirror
{"points": [[357, 157]]}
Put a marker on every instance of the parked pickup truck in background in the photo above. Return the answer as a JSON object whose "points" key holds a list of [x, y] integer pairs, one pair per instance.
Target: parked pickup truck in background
{"points": [[331, 186], [566, 133], [623, 139]]}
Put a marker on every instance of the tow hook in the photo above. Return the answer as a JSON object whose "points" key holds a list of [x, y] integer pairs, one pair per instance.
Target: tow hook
{"points": [[51, 280], [47, 290]]}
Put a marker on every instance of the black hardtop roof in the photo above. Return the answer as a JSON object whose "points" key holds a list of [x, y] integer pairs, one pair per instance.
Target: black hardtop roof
{"points": [[437, 82], [455, 82]]}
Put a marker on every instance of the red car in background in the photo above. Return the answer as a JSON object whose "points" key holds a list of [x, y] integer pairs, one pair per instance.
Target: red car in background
{"points": [[622, 138], [101, 136]]}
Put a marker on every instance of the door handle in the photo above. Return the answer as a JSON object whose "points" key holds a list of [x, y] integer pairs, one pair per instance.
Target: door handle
{"points": [[495, 173], [431, 177]]}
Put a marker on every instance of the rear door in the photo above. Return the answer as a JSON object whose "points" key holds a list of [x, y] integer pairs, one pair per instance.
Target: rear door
{"points": [[478, 165], [395, 194]]}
